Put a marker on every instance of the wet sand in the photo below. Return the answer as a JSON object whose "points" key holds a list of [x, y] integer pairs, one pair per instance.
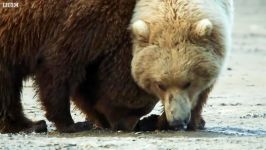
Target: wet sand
{"points": [[235, 114]]}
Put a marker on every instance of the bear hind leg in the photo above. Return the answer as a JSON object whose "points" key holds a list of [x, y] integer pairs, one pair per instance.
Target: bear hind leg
{"points": [[55, 98], [12, 118]]}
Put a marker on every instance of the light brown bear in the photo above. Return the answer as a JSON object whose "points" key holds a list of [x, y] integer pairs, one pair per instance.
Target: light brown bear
{"points": [[179, 50]]}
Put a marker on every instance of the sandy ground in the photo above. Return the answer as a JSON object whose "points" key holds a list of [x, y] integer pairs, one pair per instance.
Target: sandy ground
{"points": [[235, 113]]}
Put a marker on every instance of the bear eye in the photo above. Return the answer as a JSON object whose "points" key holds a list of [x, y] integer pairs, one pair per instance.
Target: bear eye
{"points": [[162, 87], [186, 85]]}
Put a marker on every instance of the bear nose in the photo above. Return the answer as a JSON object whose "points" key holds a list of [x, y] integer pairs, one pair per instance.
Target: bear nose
{"points": [[179, 124], [186, 121]]}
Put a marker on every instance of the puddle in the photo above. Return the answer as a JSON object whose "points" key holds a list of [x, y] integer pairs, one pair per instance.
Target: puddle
{"points": [[236, 131]]}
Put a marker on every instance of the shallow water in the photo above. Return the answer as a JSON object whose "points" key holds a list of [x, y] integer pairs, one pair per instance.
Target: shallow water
{"points": [[237, 131]]}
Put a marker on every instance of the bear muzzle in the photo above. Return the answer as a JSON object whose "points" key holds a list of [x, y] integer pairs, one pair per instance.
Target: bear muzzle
{"points": [[178, 111]]}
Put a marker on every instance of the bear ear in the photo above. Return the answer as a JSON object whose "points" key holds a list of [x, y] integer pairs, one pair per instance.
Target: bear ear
{"points": [[140, 30], [203, 28]]}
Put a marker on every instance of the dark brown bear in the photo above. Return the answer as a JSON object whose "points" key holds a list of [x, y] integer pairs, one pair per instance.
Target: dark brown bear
{"points": [[69, 47]]}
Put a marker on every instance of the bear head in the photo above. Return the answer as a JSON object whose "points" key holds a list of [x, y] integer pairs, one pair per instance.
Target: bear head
{"points": [[176, 60]]}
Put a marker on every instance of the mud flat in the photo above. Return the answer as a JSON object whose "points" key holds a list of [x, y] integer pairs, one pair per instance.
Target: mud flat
{"points": [[235, 113]]}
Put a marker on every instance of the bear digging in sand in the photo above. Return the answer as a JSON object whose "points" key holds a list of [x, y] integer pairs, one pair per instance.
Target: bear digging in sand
{"points": [[179, 48]]}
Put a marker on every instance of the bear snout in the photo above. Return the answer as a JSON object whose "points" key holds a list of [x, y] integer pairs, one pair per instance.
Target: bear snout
{"points": [[177, 110], [179, 124]]}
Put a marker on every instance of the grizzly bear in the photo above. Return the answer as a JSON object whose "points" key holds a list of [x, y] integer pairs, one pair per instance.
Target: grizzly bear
{"points": [[61, 44], [179, 48]]}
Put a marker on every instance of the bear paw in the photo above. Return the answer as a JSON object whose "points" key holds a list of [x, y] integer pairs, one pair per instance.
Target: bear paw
{"points": [[76, 127], [148, 123], [23, 125], [192, 126], [37, 127]]}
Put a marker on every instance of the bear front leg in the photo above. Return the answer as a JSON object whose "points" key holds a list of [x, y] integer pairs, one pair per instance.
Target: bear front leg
{"points": [[55, 97], [196, 121]]}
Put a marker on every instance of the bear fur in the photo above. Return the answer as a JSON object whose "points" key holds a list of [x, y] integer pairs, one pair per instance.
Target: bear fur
{"points": [[69, 47], [179, 48]]}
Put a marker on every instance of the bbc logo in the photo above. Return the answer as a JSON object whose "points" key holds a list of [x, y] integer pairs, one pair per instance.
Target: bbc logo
{"points": [[10, 5]]}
